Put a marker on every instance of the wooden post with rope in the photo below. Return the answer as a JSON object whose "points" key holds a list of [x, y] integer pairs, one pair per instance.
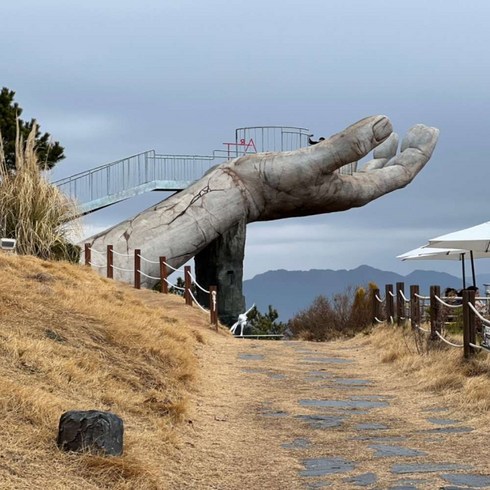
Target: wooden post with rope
{"points": [[469, 328], [414, 307], [163, 275], [88, 254], [389, 303], [435, 312], [110, 262], [187, 285], [400, 303], [137, 268], [375, 306]]}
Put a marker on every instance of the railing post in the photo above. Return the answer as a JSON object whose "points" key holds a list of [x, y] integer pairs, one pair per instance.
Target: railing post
{"points": [[469, 329], [110, 262], [137, 268], [414, 307], [163, 275], [435, 312], [88, 254], [213, 305], [400, 303], [389, 303], [187, 285], [375, 306]]}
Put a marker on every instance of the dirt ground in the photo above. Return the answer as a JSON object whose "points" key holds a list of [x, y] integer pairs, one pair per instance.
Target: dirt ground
{"points": [[291, 414]]}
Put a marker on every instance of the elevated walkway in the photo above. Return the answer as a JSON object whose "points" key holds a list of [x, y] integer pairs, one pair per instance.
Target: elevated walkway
{"points": [[108, 184], [149, 171]]}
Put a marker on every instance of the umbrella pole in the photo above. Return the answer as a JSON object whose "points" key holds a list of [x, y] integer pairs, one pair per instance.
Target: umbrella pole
{"points": [[464, 273], [473, 268]]}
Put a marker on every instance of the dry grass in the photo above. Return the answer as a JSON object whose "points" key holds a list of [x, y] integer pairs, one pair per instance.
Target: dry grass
{"points": [[70, 340], [439, 368], [33, 211]]}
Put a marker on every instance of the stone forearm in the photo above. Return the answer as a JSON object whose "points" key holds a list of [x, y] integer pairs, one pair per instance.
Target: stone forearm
{"points": [[181, 226]]}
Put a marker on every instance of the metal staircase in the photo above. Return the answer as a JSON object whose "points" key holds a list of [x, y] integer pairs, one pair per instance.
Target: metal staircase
{"points": [[148, 171], [108, 184]]}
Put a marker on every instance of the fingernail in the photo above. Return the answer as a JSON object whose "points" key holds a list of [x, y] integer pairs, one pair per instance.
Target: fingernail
{"points": [[382, 128]]}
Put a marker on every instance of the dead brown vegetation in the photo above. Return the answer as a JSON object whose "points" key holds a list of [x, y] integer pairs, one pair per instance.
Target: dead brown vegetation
{"points": [[437, 368], [345, 315], [72, 340]]}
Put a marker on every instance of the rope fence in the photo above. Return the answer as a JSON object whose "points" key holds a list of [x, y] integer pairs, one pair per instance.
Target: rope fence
{"points": [[396, 308], [438, 312], [448, 342], [164, 269]]}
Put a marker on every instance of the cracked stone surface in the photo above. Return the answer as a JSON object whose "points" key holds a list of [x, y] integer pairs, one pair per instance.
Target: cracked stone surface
{"points": [[269, 186]]}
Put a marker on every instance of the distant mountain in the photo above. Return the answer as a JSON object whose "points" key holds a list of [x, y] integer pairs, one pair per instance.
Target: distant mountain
{"points": [[292, 291]]}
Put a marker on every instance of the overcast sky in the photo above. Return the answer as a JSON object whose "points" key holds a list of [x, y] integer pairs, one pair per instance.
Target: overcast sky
{"points": [[109, 79]]}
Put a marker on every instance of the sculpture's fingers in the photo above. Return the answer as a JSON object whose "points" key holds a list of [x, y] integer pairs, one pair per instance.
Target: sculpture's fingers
{"points": [[352, 144], [363, 187], [287, 171], [383, 153]]}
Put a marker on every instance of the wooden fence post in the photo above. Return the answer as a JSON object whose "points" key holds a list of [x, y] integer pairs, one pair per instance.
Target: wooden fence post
{"points": [[389, 303], [414, 307], [137, 268], [469, 329], [400, 303], [435, 312], [187, 285], [88, 254], [163, 275], [375, 306], [213, 305], [110, 262]]}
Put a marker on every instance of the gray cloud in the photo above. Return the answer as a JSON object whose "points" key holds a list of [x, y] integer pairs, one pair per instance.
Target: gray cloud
{"points": [[110, 79]]}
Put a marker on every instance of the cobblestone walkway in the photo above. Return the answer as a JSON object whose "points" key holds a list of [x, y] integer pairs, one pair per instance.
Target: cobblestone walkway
{"points": [[287, 415]]}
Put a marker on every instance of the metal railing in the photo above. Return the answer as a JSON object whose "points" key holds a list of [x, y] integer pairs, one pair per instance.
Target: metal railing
{"points": [[149, 171], [128, 177]]}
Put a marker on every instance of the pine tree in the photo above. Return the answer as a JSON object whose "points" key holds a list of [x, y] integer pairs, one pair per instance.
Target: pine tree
{"points": [[48, 153], [265, 324]]}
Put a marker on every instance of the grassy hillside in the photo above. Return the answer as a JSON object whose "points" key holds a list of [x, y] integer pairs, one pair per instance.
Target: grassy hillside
{"points": [[70, 339]]}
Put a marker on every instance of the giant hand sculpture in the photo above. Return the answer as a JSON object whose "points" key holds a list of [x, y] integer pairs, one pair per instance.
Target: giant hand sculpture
{"points": [[267, 186]]}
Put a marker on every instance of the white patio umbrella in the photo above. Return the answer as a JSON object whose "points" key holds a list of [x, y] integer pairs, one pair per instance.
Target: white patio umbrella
{"points": [[476, 239], [425, 253]]}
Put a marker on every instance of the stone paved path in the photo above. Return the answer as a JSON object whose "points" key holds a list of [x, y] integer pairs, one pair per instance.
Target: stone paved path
{"points": [[288, 415]]}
